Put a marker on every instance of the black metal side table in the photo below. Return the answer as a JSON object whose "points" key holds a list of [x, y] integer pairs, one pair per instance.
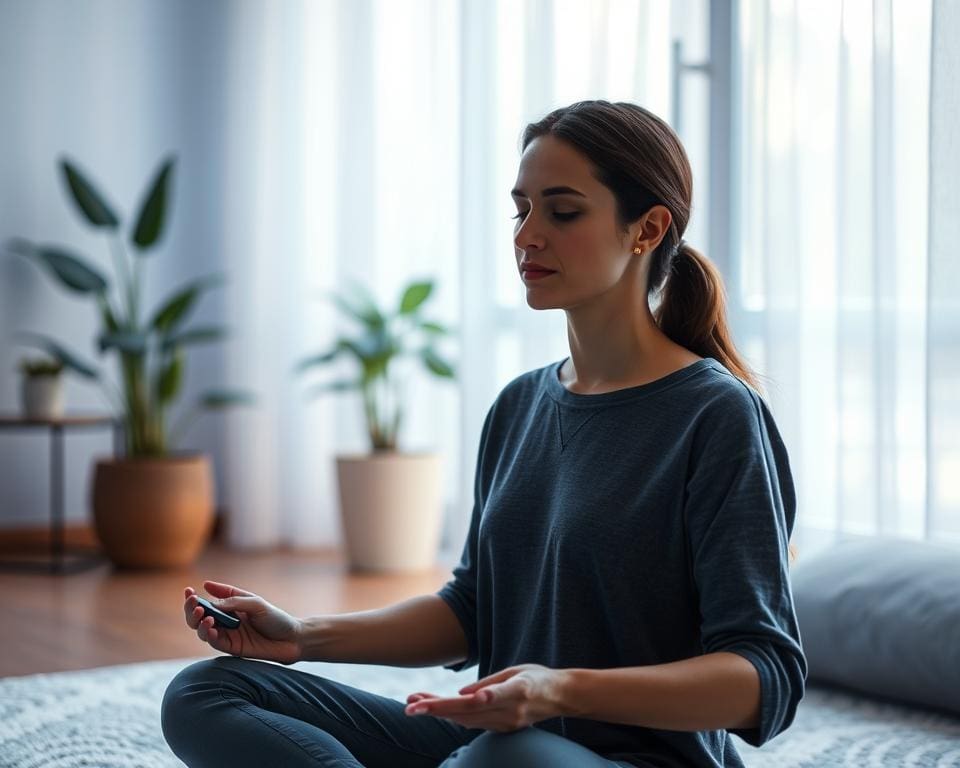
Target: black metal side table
{"points": [[57, 429]]}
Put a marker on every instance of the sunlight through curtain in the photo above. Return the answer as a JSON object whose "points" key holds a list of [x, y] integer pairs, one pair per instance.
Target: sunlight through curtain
{"points": [[831, 293], [377, 141]]}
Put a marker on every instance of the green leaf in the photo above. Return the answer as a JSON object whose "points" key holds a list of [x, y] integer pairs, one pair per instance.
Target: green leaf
{"points": [[376, 366], [366, 313], [153, 212], [363, 349], [322, 359], [414, 296], [193, 336], [225, 398], [74, 272], [434, 328], [132, 342], [65, 356], [41, 367], [87, 198], [170, 380], [437, 364], [378, 345], [107, 314], [175, 310]]}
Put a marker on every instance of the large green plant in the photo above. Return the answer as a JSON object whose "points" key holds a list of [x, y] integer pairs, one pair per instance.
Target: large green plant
{"points": [[382, 338], [149, 348]]}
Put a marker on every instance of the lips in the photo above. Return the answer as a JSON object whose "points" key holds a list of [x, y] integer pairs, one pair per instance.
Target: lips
{"points": [[536, 274], [532, 266]]}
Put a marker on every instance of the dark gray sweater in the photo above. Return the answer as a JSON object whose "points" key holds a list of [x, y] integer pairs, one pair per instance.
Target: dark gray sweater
{"points": [[629, 528]]}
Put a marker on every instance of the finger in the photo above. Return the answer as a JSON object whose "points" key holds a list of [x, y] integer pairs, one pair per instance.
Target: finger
{"points": [[446, 707], [190, 611], [502, 694], [219, 589], [194, 616], [413, 698], [187, 591], [421, 695], [484, 700], [251, 604], [204, 627], [503, 674]]}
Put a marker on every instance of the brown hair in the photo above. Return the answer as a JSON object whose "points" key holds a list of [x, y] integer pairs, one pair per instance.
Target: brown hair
{"points": [[641, 160]]}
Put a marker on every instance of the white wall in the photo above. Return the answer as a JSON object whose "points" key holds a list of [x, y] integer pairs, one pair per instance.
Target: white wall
{"points": [[116, 86]]}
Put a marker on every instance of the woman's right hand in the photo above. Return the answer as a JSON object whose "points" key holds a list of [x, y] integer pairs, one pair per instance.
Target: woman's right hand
{"points": [[265, 631]]}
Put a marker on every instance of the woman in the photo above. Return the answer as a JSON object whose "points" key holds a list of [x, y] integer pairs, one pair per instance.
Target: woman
{"points": [[624, 585]]}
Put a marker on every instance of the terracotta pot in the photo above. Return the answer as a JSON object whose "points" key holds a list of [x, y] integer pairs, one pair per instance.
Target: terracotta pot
{"points": [[390, 510], [153, 513]]}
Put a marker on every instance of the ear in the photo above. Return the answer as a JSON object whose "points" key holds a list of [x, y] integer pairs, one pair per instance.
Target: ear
{"points": [[650, 228]]}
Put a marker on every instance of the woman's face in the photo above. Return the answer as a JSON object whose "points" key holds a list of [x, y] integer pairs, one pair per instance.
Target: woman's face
{"points": [[566, 223]]}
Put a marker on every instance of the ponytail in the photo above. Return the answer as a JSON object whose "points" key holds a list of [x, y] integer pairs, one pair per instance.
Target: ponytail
{"points": [[692, 311]]}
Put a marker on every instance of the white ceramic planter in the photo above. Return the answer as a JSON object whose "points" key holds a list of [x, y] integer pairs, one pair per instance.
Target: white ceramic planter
{"points": [[390, 510], [42, 397]]}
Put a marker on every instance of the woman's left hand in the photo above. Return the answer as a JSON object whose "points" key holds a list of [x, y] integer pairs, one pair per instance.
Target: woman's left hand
{"points": [[511, 699]]}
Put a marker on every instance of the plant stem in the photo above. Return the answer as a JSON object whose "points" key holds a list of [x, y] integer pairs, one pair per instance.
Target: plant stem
{"points": [[137, 273], [106, 307], [133, 266], [124, 273], [369, 407], [132, 366]]}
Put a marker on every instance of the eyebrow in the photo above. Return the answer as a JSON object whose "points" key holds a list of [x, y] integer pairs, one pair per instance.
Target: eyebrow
{"points": [[549, 191]]}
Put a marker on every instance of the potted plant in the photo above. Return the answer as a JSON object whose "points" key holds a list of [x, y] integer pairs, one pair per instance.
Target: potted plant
{"points": [[41, 391], [153, 507], [390, 500]]}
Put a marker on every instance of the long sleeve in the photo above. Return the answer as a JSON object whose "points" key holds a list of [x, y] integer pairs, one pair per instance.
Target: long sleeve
{"points": [[739, 511]]}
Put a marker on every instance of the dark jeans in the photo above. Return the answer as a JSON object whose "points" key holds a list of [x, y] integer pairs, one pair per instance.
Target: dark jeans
{"points": [[239, 712]]}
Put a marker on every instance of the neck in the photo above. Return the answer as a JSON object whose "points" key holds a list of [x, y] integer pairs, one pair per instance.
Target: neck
{"points": [[614, 341]]}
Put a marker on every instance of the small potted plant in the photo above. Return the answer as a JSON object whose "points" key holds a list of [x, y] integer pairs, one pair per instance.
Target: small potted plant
{"points": [[390, 500], [41, 391], [153, 507]]}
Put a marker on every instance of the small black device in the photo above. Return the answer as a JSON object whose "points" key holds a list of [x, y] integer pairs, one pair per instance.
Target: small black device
{"points": [[222, 619]]}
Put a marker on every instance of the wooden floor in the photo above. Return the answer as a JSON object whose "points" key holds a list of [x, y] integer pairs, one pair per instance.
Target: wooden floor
{"points": [[102, 616]]}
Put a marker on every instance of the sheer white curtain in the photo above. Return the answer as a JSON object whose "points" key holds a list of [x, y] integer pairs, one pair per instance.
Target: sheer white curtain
{"points": [[833, 288], [378, 140], [943, 289], [343, 156]]}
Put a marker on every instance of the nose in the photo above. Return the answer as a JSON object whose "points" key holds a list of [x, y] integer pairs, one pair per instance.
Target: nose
{"points": [[528, 236]]}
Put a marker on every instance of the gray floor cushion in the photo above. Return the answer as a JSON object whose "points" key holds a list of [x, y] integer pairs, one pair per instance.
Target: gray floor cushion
{"points": [[110, 717], [882, 616]]}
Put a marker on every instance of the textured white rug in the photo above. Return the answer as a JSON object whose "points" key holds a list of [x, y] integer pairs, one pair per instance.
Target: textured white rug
{"points": [[110, 718]]}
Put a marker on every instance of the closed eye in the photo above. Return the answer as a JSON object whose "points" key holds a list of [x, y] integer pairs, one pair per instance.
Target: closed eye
{"points": [[558, 215]]}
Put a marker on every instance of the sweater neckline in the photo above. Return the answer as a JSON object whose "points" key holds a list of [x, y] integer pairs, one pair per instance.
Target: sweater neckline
{"points": [[564, 396]]}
